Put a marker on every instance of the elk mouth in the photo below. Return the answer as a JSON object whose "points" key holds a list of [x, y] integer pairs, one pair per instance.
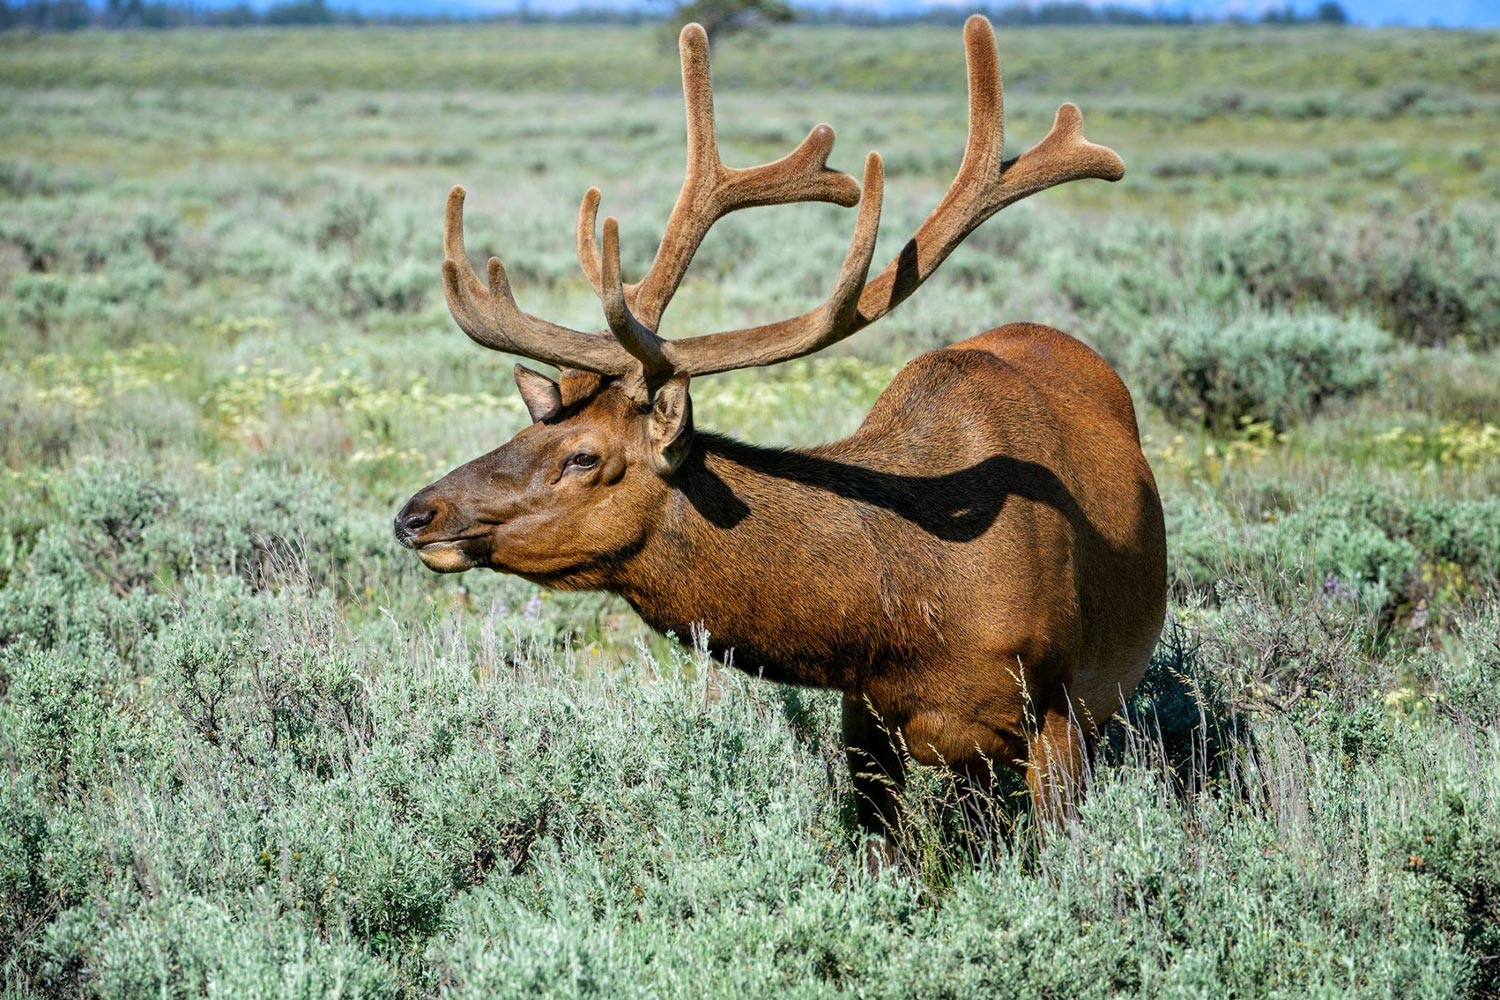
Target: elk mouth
{"points": [[452, 555]]}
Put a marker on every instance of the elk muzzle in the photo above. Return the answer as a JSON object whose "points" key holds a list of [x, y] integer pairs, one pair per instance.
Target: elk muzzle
{"points": [[422, 525]]}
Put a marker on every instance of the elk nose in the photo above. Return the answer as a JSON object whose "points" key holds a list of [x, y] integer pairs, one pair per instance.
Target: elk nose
{"points": [[412, 519]]}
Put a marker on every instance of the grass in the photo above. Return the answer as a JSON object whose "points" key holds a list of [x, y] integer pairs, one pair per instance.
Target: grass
{"points": [[508, 58], [249, 747]]}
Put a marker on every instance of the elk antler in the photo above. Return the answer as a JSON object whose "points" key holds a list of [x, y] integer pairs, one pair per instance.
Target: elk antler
{"points": [[492, 319], [985, 184], [710, 190]]}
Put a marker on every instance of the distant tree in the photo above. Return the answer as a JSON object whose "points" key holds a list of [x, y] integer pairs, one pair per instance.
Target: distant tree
{"points": [[1329, 12], [725, 17], [50, 15], [165, 15], [122, 13], [300, 12], [239, 16]]}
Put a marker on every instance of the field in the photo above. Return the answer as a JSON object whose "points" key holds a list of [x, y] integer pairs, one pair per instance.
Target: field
{"points": [[250, 747]]}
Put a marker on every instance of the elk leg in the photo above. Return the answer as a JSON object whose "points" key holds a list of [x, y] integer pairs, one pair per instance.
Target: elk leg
{"points": [[1056, 761], [878, 771], [977, 793]]}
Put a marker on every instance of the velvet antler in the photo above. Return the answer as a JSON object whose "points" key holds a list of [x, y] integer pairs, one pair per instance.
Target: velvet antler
{"points": [[985, 184]]}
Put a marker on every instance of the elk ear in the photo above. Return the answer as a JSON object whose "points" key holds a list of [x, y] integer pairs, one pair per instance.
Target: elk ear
{"points": [[670, 426], [542, 396]]}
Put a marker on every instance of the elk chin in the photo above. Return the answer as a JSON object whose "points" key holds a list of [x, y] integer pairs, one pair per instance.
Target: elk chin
{"points": [[454, 556]]}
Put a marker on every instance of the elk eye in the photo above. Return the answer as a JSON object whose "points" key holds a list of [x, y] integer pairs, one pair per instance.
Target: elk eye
{"points": [[583, 460]]}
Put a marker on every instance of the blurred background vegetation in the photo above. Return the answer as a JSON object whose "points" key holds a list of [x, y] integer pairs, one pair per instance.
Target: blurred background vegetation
{"points": [[248, 747]]}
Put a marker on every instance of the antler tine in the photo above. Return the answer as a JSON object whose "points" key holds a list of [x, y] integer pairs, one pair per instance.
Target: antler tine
{"points": [[492, 319], [461, 287], [985, 183], [641, 341], [710, 190], [1063, 155], [588, 240], [698, 97], [831, 322], [842, 307]]}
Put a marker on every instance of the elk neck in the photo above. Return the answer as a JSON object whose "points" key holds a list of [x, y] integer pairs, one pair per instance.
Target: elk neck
{"points": [[766, 551]]}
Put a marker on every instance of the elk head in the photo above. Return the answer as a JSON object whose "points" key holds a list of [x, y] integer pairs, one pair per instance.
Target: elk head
{"points": [[583, 485], [566, 495]]}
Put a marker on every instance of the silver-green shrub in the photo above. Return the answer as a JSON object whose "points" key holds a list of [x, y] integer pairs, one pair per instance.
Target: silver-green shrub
{"points": [[1281, 368]]}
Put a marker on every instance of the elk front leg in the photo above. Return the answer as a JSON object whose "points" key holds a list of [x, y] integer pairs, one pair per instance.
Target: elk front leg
{"points": [[878, 770]]}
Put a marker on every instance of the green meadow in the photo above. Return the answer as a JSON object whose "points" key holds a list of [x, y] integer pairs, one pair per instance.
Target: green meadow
{"points": [[249, 747]]}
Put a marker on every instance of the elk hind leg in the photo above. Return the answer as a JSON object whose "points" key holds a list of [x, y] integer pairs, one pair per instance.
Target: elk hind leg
{"points": [[877, 768]]}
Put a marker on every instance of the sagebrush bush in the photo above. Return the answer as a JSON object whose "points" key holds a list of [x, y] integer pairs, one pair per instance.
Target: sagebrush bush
{"points": [[89, 234], [1203, 541], [1453, 850], [130, 527], [1279, 368], [1182, 717], [353, 288], [23, 840], [1266, 653], [1467, 680], [24, 178], [1409, 562], [1425, 278], [358, 258], [1350, 545]]}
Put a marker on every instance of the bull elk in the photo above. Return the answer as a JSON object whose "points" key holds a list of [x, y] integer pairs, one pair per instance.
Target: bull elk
{"points": [[980, 568]]}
